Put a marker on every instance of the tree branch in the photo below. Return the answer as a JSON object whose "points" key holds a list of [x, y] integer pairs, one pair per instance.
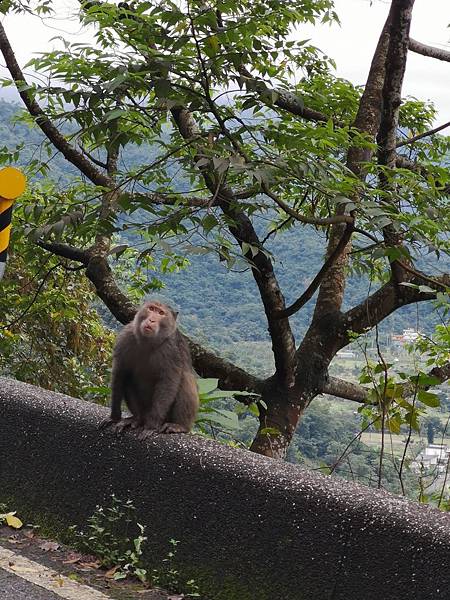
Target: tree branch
{"points": [[331, 293], [51, 132], [345, 389], [283, 343], [430, 51], [401, 13], [385, 301], [423, 135], [285, 100], [309, 292], [358, 393], [303, 218]]}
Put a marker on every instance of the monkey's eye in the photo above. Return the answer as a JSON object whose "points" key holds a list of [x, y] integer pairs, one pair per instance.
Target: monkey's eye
{"points": [[161, 312]]}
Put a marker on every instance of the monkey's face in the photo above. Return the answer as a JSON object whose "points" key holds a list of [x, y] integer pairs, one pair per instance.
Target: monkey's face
{"points": [[155, 321]]}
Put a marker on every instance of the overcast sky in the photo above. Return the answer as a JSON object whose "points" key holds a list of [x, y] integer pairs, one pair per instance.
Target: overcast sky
{"points": [[351, 45]]}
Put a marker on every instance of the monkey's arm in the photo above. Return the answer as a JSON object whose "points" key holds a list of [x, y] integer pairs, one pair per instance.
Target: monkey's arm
{"points": [[117, 393]]}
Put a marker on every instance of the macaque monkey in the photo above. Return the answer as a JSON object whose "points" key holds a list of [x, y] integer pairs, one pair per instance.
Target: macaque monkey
{"points": [[152, 372]]}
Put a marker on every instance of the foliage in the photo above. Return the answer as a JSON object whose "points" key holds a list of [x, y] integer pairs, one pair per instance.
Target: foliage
{"points": [[229, 172], [211, 416], [50, 335], [109, 537]]}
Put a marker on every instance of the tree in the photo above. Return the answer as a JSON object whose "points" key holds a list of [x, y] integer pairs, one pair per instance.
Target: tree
{"points": [[207, 90]]}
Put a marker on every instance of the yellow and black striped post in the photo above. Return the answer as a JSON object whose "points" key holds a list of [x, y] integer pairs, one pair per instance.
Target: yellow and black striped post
{"points": [[12, 185]]}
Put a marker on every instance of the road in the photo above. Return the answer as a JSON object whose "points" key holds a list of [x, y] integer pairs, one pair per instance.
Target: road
{"points": [[25, 579]]}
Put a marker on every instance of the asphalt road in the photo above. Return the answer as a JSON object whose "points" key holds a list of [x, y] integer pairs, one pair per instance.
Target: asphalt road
{"points": [[21, 577], [13, 587]]}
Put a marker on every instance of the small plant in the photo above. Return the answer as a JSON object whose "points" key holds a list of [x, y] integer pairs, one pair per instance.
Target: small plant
{"points": [[169, 577], [115, 538], [109, 536]]}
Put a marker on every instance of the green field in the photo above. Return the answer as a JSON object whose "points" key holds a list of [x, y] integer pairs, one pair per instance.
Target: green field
{"points": [[397, 442]]}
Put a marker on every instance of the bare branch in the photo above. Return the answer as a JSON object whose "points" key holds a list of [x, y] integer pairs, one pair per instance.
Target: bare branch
{"points": [[303, 218], [331, 293], [401, 13], [388, 299], [309, 292], [65, 251], [423, 135], [345, 389], [430, 51]]}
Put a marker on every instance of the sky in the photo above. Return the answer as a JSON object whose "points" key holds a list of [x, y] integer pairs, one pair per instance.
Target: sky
{"points": [[351, 44]]}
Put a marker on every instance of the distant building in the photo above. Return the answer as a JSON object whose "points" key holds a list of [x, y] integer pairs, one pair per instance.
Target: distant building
{"points": [[407, 337], [345, 354], [434, 457]]}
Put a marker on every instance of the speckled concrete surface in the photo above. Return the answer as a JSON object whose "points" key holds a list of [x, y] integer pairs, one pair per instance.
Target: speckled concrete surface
{"points": [[249, 527]]}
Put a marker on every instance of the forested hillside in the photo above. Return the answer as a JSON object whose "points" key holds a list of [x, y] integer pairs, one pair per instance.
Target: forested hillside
{"points": [[219, 306]]}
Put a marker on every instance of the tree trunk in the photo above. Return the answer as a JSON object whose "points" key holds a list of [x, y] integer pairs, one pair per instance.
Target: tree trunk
{"points": [[277, 422]]}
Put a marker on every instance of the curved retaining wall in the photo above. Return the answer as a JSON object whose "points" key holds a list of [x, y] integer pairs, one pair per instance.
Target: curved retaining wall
{"points": [[250, 528]]}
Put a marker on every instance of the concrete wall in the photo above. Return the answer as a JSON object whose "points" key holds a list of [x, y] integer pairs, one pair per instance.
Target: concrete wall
{"points": [[250, 528]]}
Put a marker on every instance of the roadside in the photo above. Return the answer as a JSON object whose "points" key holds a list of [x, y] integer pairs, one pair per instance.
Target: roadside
{"points": [[30, 564]]}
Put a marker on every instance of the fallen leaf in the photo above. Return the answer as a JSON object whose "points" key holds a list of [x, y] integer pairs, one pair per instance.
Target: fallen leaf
{"points": [[29, 533], [59, 581], [49, 546], [13, 521], [71, 561], [91, 565], [112, 571]]}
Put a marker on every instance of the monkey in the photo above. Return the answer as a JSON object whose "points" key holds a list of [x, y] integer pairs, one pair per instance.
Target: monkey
{"points": [[152, 371]]}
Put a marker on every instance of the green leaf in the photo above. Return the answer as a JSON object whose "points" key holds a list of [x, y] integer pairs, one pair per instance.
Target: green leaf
{"points": [[162, 88], [113, 114], [428, 398], [205, 386], [211, 46]]}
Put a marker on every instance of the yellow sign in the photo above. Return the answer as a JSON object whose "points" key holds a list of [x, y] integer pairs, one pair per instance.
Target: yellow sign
{"points": [[12, 183]]}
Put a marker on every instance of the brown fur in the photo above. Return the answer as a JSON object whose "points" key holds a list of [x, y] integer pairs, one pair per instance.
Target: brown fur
{"points": [[152, 372]]}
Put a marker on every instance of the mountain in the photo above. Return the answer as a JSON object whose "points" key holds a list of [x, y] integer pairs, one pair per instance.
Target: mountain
{"points": [[221, 307]]}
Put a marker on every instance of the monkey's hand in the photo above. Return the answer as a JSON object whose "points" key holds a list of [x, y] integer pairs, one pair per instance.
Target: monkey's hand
{"points": [[173, 428]]}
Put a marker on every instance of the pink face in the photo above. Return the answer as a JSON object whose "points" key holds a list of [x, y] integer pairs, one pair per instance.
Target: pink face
{"points": [[155, 319]]}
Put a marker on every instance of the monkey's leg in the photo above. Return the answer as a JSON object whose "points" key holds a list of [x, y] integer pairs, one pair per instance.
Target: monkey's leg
{"points": [[184, 410]]}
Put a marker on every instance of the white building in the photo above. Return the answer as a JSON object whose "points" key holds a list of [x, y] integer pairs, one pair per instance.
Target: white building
{"points": [[434, 457]]}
